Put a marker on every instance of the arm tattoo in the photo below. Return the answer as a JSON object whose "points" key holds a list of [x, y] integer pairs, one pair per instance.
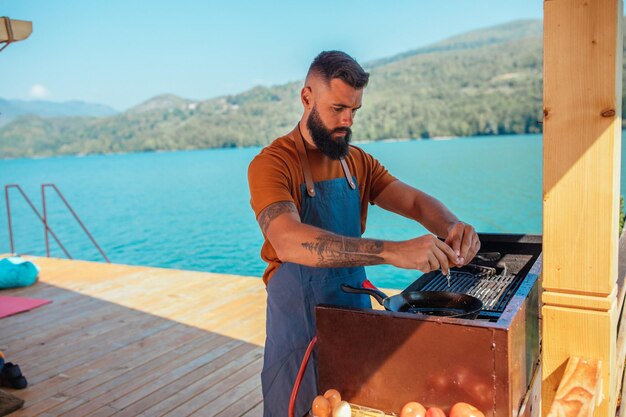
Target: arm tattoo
{"points": [[274, 210], [339, 251]]}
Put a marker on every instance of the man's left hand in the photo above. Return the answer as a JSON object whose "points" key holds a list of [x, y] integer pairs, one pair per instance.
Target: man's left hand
{"points": [[463, 239]]}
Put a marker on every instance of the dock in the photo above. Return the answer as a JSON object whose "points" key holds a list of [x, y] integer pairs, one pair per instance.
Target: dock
{"points": [[120, 340], [137, 341]]}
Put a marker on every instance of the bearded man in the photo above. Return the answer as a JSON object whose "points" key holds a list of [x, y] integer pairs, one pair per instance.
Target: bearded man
{"points": [[310, 191]]}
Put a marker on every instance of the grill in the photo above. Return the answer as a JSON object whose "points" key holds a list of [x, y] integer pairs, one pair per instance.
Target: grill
{"points": [[494, 291], [383, 359], [494, 280]]}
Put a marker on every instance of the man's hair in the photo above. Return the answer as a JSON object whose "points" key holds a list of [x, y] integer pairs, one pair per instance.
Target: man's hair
{"points": [[336, 64]]}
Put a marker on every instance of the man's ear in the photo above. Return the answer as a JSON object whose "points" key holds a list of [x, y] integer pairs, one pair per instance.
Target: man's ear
{"points": [[306, 95]]}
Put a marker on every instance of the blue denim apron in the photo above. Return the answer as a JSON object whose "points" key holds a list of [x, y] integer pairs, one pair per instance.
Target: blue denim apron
{"points": [[294, 290]]}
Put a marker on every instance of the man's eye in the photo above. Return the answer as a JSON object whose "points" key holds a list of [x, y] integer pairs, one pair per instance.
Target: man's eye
{"points": [[337, 109]]}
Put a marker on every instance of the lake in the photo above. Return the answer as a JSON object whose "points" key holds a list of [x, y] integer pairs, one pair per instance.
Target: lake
{"points": [[190, 209]]}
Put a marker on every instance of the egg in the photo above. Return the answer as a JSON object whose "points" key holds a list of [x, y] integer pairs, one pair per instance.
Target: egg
{"points": [[342, 409], [333, 396], [465, 410], [435, 412], [413, 409], [320, 407]]}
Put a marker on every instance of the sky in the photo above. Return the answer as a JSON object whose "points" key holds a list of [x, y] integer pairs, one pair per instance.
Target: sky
{"points": [[123, 52]]}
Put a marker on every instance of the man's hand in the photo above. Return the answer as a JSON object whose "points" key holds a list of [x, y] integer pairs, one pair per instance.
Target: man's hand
{"points": [[426, 253], [464, 241]]}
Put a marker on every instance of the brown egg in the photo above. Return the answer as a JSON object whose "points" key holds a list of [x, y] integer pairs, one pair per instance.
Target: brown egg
{"points": [[465, 410], [342, 409], [435, 412], [413, 409], [321, 407], [333, 396]]}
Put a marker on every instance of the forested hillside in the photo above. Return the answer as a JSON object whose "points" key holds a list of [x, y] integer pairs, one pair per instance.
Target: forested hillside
{"points": [[483, 82]]}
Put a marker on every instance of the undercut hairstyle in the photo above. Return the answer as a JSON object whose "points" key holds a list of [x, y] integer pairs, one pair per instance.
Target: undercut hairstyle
{"points": [[336, 64]]}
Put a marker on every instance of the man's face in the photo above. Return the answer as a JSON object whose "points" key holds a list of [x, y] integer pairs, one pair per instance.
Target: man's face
{"points": [[331, 116]]}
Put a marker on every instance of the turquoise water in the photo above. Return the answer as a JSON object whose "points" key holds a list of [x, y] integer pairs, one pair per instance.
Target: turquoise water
{"points": [[190, 209]]}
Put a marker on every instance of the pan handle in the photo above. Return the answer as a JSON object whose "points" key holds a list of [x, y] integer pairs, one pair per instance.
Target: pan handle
{"points": [[373, 291]]}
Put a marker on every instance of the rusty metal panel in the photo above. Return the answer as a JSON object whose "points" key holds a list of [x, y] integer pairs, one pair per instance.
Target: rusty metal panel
{"points": [[523, 342], [384, 360], [504, 379]]}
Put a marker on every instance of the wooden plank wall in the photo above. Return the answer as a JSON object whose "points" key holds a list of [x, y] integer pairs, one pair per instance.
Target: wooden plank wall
{"points": [[582, 145]]}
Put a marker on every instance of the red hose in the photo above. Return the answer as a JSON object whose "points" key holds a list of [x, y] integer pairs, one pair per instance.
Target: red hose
{"points": [[296, 385]]}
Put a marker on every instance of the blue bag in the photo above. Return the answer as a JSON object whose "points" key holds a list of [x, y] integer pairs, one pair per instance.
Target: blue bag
{"points": [[17, 272]]}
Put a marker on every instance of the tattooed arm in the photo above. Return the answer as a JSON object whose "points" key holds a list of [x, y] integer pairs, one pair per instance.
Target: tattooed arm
{"points": [[309, 245]]}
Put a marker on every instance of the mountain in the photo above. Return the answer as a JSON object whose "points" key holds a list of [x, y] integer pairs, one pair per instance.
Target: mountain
{"points": [[10, 109], [508, 32], [482, 82], [162, 102]]}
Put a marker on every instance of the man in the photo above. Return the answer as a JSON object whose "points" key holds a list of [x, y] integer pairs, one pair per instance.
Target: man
{"points": [[310, 190]]}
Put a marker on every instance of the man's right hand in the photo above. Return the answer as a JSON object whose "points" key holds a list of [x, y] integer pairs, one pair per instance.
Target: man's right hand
{"points": [[425, 253]]}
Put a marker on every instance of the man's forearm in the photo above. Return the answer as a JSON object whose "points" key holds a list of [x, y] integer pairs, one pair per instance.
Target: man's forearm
{"points": [[414, 204], [332, 251], [309, 245], [436, 217]]}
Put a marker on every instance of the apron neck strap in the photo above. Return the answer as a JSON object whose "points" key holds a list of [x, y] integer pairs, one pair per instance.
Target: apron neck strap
{"points": [[306, 168], [304, 162], [346, 171]]}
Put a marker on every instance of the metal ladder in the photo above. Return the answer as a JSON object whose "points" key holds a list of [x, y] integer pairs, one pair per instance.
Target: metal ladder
{"points": [[44, 218]]}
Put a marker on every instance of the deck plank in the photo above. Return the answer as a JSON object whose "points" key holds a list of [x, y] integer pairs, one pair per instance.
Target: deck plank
{"points": [[257, 411], [162, 345], [244, 404], [227, 384], [171, 395], [231, 397]]}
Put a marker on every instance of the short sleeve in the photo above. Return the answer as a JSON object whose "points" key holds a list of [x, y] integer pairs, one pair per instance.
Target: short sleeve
{"points": [[380, 177], [269, 182]]}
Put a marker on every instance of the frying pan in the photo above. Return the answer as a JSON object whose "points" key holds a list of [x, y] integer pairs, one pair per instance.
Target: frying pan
{"points": [[434, 303]]}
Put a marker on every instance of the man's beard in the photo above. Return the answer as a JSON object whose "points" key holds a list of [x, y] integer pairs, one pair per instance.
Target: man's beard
{"points": [[334, 148]]}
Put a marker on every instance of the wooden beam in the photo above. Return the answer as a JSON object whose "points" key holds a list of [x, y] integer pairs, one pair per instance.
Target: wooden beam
{"points": [[582, 147], [576, 332], [579, 390], [21, 29], [582, 137]]}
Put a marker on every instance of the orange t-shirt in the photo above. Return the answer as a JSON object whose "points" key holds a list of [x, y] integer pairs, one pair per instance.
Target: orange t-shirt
{"points": [[275, 175]]}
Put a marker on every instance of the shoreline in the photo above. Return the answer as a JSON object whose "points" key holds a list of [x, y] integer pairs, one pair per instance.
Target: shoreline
{"points": [[355, 142]]}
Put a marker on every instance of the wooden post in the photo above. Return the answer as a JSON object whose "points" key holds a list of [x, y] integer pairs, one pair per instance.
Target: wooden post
{"points": [[582, 145]]}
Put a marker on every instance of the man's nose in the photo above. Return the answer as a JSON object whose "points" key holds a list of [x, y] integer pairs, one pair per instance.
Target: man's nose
{"points": [[346, 118]]}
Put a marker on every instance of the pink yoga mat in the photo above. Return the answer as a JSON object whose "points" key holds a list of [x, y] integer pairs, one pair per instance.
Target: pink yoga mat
{"points": [[14, 305]]}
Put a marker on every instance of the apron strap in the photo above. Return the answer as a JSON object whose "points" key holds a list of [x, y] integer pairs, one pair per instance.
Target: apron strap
{"points": [[304, 161], [346, 171]]}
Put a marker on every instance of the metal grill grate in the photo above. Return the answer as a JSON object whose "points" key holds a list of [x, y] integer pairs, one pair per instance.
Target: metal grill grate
{"points": [[494, 291]]}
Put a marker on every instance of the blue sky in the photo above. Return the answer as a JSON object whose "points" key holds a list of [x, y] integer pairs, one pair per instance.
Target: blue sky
{"points": [[122, 52]]}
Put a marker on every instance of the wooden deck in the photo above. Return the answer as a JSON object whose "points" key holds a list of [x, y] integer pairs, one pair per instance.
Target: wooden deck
{"points": [[136, 341], [132, 341]]}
